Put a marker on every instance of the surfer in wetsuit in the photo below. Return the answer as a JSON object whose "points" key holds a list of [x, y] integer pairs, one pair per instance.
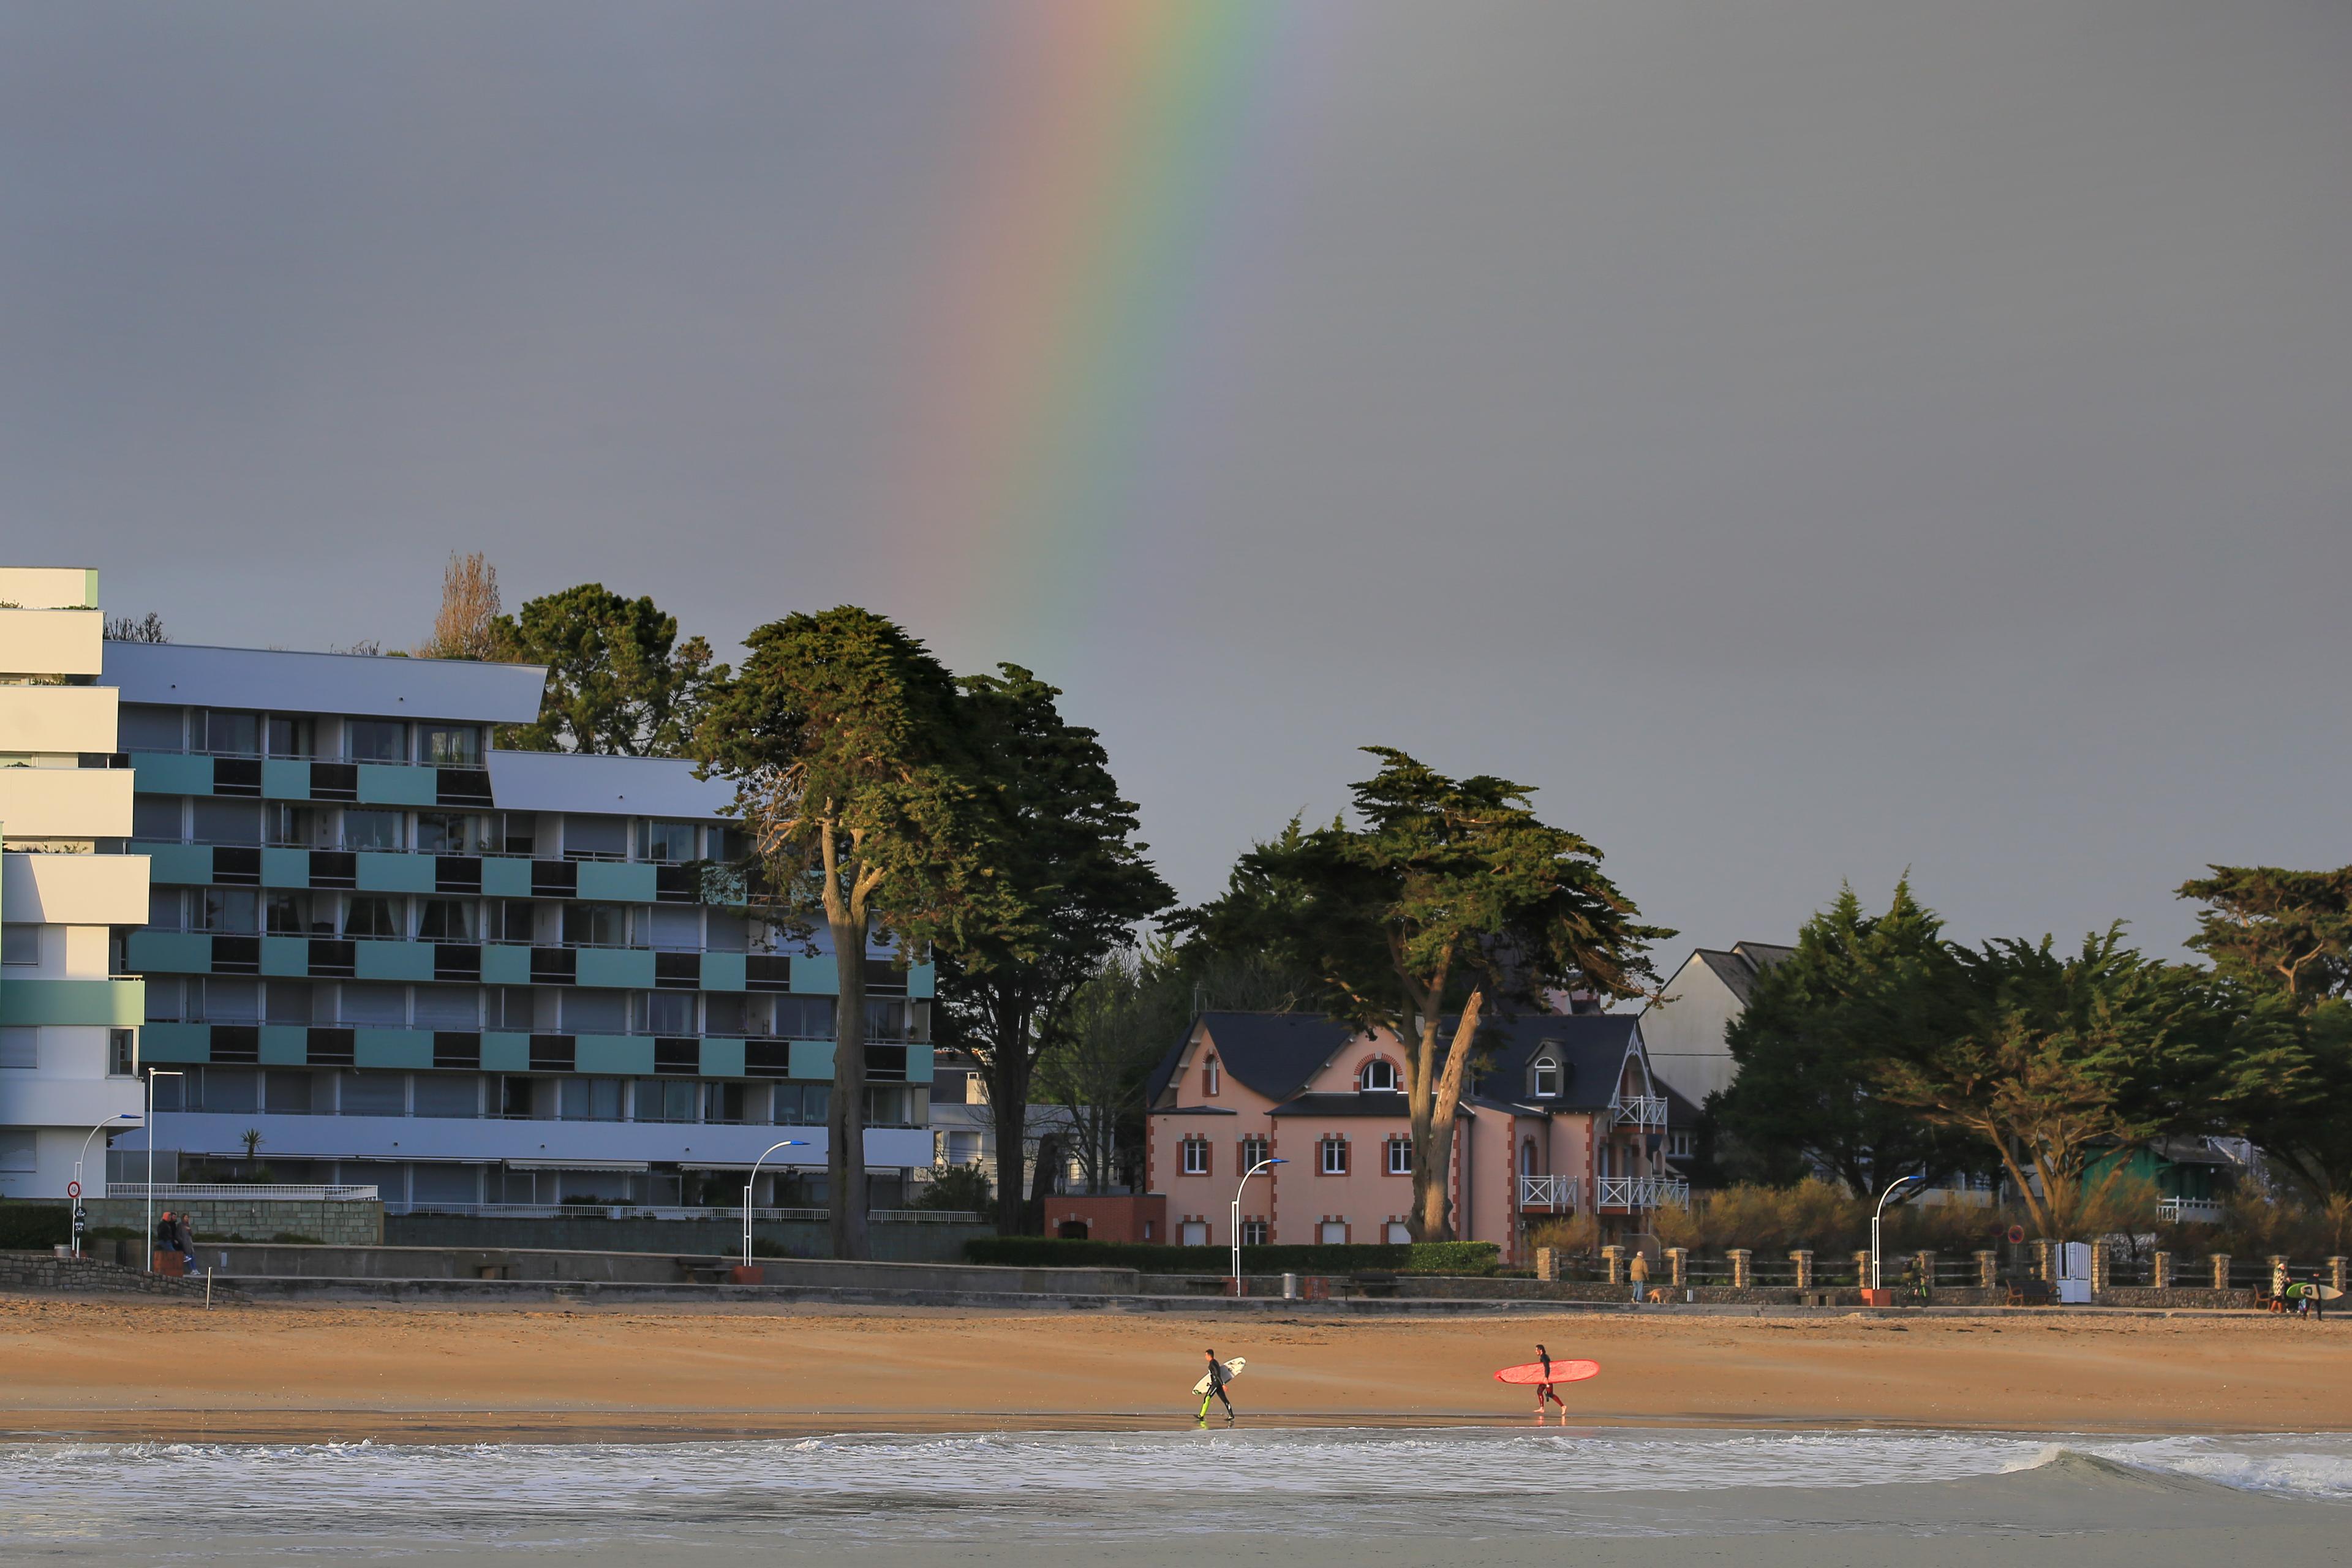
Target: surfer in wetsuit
{"points": [[1544, 1390], [1218, 1377]]}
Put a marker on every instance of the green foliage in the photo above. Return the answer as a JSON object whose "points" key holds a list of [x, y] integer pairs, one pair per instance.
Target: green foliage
{"points": [[295, 1238], [1816, 1026], [2288, 929], [960, 1189], [34, 1226], [618, 680], [1459, 1258]]}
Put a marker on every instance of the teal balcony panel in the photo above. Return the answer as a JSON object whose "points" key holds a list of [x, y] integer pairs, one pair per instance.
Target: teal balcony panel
{"points": [[171, 1043], [74, 1004], [170, 773], [285, 778], [813, 1060], [393, 1047], [922, 982], [503, 1052], [177, 865], [394, 961], [506, 877], [503, 964], [380, 873], [382, 785], [722, 972], [918, 1064], [285, 1046], [287, 957], [613, 882], [170, 953], [722, 1058], [617, 968], [627, 1053], [816, 977], [285, 867]]}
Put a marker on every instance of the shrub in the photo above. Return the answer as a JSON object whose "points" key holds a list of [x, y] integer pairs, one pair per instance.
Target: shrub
{"points": [[957, 1188], [33, 1227], [1417, 1257]]}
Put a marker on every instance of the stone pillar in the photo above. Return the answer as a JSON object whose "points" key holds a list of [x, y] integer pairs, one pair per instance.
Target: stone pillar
{"points": [[1679, 1265], [1803, 1259], [1548, 1264], [1614, 1256], [2278, 1275], [2163, 1262], [1742, 1276], [1988, 1270], [2336, 1269], [2045, 1258], [2099, 1267], [2221, 1271]]}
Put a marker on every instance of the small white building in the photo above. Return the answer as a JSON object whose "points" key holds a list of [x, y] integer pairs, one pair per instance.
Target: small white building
{"points": [[1684, 1029]]}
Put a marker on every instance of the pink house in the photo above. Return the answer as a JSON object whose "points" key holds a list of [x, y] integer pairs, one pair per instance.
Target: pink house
{"points": [[1562, 1118]]}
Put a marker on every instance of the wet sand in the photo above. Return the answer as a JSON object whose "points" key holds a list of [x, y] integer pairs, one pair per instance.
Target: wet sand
{"points": [[76, 1368]]}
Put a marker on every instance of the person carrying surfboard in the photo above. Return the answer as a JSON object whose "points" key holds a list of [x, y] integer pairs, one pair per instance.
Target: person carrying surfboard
{"points": [[1219, 1375], [1544, 1390]]}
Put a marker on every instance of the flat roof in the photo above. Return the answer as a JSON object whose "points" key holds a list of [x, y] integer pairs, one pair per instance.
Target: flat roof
{"points": [[283, 681], [633, 786]]}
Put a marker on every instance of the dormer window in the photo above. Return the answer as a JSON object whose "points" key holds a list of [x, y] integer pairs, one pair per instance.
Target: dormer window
{"points": [[1211, 1078], [1545, 1077], [1379, 1076]]}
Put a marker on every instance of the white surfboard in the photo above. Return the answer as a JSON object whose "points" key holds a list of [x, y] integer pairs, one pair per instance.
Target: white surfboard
{"points": [[1233, 1371]]}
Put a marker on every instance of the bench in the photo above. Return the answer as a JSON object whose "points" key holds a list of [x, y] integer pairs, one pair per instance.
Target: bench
{"points": [[2029, 1293]]}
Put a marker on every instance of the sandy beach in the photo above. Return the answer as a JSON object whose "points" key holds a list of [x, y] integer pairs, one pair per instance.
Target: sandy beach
{"points": [[143, 1370]]}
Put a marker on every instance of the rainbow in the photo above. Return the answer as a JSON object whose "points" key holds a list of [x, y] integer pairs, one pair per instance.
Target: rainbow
{"points": [[1073, 278]]}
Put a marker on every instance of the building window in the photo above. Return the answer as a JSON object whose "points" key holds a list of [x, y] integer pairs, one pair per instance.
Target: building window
{"points": [[20, 1047], [373, 915], [1547, 1077], [1254, 1232], [1212, 1077], [233, 734], [1332, 1233], [1196, 1156], [373, 830], [595, 837], [1379, 1076], [1400, 1156], [665, 1012], [665, 841], [375, 739], [225, 821], [1253, 1150], [447, 920], [1527, 1157], [594, 925], [453, 833], [20, 944], [1399, 1234], [157, 818], [292, 737], [1334, 1160], [142, 729], [121, 1053], [450, 745]]}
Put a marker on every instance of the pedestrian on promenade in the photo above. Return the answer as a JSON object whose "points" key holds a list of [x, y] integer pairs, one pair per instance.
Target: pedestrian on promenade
{"points": [[1639, 1272], [166, 1239], [183, 1242]]}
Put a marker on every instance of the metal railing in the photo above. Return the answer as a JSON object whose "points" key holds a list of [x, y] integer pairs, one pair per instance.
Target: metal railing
{"points": [[1640, 1110], [1551, 1192], [2189, 1211], [1641, 1192], [274, 1192], [665, 1211]]}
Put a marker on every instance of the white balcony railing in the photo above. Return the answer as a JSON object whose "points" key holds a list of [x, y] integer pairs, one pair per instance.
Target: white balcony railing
{"points": [[242, 1192], [2188, 1211], [1641, 1192], [1640, 1110], [1551, 1192]]}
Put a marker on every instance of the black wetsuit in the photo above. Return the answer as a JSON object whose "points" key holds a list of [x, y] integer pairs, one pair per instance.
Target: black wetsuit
{"points": [[1217, 1378]]}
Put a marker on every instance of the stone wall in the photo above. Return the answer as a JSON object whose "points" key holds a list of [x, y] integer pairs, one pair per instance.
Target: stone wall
{"points": [[47, 1272], [897, 1239], [250, 1219]]}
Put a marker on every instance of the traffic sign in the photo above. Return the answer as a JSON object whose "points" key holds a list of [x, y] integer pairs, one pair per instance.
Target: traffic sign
{"points": [[73, 1189]]}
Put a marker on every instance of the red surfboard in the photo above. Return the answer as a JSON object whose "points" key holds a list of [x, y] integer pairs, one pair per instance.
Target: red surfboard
{"points": [[1561, 1372]]}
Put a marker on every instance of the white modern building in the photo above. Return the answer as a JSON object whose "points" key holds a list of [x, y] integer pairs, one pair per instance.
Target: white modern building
{"points": [[69, 1014]]}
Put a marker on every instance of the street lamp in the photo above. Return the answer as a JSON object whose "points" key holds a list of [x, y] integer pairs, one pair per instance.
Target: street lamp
{"points": [[750, 1180], [118, 1116], [1874, 1213], [1253, 1171], [152, 1074]]}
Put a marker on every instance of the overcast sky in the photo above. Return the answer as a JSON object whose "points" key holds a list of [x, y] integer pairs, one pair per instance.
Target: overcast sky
{"points": [[1805, 440]]}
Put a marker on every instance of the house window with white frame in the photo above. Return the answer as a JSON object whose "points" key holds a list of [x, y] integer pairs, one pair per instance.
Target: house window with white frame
{"points": [[1334, 1160], [1196, 1156], [1379, 1076], [1253, 1150], [1212, 1077], [1546, 1078], [1253, 1231], [1400, 1156]]}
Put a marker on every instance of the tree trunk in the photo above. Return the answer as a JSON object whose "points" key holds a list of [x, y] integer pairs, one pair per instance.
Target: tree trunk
{"points": [[1041, 1178], [844, 1156], [1006, 1068], [1434, 1198]]}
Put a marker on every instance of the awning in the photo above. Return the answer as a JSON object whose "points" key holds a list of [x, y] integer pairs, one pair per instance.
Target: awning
{"points": [[575, 1164]]}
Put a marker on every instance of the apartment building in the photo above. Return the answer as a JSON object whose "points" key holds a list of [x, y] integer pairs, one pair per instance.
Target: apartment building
{"points": [[68, 1020], [377, 950]]}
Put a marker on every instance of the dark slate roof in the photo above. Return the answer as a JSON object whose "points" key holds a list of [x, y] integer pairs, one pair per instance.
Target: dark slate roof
{"points": [[1273, 1053], [1591, 1048], [1377, 1104], [1738, 966], [1681, 1114]]}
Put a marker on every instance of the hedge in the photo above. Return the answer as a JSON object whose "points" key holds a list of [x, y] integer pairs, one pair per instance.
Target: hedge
{"points": [[1416, 1258], [33, 1227]]}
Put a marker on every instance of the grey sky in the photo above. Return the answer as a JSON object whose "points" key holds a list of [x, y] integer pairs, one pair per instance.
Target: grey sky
{"points": [[1806, 441]]}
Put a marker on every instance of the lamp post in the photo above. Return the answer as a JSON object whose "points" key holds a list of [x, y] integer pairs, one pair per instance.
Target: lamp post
{"points": [[747, 1182], [1253, 1171], [152, 1074], [118, 1116], [1874, 1279]]}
